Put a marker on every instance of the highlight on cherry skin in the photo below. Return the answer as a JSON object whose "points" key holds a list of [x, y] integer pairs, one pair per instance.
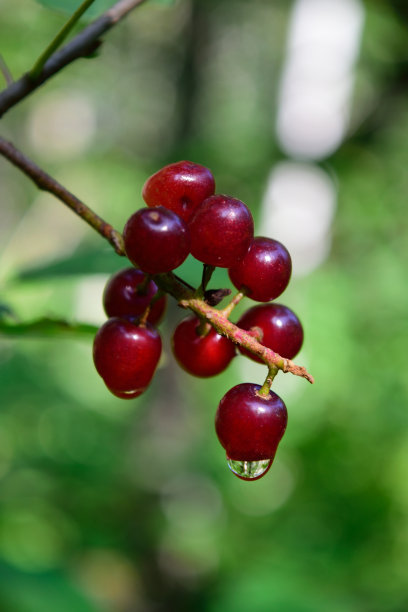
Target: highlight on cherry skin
{"points": [[183, 216]]}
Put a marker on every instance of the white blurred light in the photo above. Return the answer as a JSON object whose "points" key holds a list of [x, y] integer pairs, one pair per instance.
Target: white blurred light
{"points": [[297, 210], [62, 124], [45, 232], [88, 302], [317, 79]]}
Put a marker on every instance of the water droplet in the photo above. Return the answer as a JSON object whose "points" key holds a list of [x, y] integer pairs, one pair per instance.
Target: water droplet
{"points": [[249, 470]]}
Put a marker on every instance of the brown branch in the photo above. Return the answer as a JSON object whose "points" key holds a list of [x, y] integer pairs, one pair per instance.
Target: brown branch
{"points": [[82, 45], [243, 338], [45, 182]]}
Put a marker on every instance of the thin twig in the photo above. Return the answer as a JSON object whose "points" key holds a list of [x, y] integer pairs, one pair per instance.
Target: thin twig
{"points": [[5, 71], [82, 45], [59, 38], [45, 182]]}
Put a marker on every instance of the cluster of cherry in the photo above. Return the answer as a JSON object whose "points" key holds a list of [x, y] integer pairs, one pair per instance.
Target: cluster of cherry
{"points": [[184, 216]]}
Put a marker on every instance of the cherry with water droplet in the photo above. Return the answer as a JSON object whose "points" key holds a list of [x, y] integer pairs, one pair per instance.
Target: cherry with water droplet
{"points": [[249, 425]]}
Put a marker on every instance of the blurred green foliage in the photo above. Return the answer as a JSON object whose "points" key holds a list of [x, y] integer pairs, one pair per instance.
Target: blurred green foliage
{"points": [[117, 506]]}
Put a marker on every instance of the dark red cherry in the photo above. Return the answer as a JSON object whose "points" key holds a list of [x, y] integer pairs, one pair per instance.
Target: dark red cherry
{"points": [[181, 187], [203, 356], [123, 296], [221, 231], [280, 329], [249, 426], [156, 240], [126, 355], [264, 270]]}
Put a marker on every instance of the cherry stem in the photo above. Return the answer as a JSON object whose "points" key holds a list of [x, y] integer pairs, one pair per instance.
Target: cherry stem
{"points": [[205, 279], [203, 328], [142, 288], [266, 387], [207, 274], [234, 302], [143, 318]]}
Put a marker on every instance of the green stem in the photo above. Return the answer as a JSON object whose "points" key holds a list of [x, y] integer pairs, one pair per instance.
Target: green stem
{"points": [[5, 71], [266, 387], [59, 39], [204, 328]]}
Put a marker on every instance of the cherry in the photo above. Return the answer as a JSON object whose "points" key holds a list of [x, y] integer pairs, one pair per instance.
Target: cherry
{"points": [[205, 355], [126, 355], [127, 294], [250, 426], [181, 187], [221, 231], [280, 329], [156, 240], [264, 271]]}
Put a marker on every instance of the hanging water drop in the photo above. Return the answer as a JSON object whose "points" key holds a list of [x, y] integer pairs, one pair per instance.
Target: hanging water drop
{"points": [[249, 470]]}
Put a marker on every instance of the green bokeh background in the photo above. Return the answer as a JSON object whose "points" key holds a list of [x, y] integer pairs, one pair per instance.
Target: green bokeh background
{"points": [[113, 506]]}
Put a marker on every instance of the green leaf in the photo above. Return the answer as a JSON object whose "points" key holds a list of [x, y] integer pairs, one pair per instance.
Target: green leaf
{"points": [[70, 6], [83, 262], [99, 7], [6, 312], [48, 592], [46, 327]]}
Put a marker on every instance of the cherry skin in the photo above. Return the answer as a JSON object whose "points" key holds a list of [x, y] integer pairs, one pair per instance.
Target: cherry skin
{"points": [[249, 426], [123, 297], [221, 231], [202, 356], [280, 329], [156, 240], [181, 187], [126, 355], [264, 271]]}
